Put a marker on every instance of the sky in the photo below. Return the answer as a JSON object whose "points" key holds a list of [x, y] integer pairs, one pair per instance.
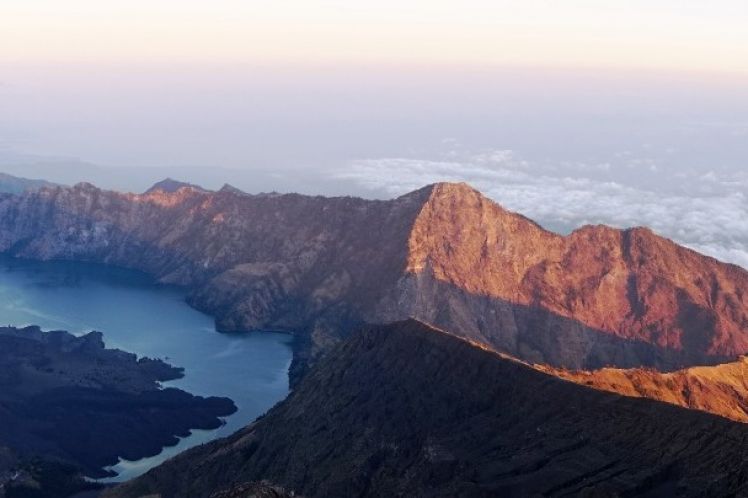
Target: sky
{"points": [[577, 111], [684, 34]]}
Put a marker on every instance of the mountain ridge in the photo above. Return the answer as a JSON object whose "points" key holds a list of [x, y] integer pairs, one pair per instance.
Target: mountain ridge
{"points": [[445, 254], [11, 184], [408, 410], [721, 389]]}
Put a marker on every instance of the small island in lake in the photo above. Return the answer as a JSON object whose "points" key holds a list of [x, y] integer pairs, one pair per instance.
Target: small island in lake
{"points": [[69, 404]]}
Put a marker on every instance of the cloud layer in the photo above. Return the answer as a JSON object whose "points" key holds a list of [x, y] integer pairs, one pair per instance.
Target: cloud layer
{"points": [[704, 210]]}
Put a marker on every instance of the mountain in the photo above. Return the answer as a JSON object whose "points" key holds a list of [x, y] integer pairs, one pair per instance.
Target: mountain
{"points": [[445, 254], [720, 389], [170, 186], [15, 185], [407, 410]]}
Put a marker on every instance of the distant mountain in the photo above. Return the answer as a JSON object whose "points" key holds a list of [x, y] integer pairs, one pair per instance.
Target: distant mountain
{"points": [[406, 410], [15, 185], [254, 178], [170, 186], [445, 254]]}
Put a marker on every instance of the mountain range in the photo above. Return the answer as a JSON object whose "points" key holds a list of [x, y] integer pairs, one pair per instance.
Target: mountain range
{"points": [[444, 254], [491, 379]]}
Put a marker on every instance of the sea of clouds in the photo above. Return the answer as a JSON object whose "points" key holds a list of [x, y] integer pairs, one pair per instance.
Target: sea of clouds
{"points": [[703, 209]]}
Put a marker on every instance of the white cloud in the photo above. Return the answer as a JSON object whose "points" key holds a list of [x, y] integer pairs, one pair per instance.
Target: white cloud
{"points": [[706, 212]]}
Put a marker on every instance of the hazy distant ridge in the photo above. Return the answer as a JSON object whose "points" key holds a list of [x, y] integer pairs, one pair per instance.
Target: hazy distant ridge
{"points": [[10, 184]]}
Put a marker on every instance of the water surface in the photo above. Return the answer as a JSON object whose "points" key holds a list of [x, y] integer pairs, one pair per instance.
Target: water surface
{"points": [[141, 317]]}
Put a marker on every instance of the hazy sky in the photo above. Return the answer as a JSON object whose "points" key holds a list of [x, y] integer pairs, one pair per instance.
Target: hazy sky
{"points": [[633, 33], [573, 111]]}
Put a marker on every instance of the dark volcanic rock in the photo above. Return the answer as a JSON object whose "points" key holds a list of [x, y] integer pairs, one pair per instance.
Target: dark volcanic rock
{"points": [[254, 490], [69, 398], [406, 410], [39, 478], [95, 427]]}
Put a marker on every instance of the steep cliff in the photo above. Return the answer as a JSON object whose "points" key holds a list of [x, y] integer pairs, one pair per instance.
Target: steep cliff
{"points": [[444, 254], [406, 410], [597, 297]]}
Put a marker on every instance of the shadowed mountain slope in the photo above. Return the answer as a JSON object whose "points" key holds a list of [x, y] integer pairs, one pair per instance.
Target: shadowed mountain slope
{"points": [[444, 254], [406, 410]]}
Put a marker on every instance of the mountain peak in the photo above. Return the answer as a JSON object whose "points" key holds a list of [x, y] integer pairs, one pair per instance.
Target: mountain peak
{"points": [[85, 186], [460, 195], [170, 185], [456, 228], [448, 193], [454, 188], [445, 189], [231, 189]]}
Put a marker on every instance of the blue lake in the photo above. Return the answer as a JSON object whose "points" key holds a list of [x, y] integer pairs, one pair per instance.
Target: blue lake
{"points": [[141, 317]]}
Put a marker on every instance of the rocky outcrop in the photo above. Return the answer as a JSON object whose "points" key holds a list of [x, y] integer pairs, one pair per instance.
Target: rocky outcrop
{"points": [[406, 410], [720, 389], [445, 254], [70, 400]]}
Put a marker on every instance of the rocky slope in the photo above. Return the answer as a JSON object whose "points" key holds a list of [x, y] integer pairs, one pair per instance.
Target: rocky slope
{"points": [[406, 410], [69, 400], [444, 254], [720, 389], [254, 490]]}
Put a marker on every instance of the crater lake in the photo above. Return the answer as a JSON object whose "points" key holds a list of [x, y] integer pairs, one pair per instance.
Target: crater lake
{"points": [[139, 316]]}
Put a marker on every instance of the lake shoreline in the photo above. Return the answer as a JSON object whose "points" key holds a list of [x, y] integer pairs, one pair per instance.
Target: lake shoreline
{"points": [[151, 319], [69, 399]]}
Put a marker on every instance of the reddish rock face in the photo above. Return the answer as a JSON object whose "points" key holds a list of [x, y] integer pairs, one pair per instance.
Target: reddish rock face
{"points": [[721, 389], [631, 284], [444, 254]]}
